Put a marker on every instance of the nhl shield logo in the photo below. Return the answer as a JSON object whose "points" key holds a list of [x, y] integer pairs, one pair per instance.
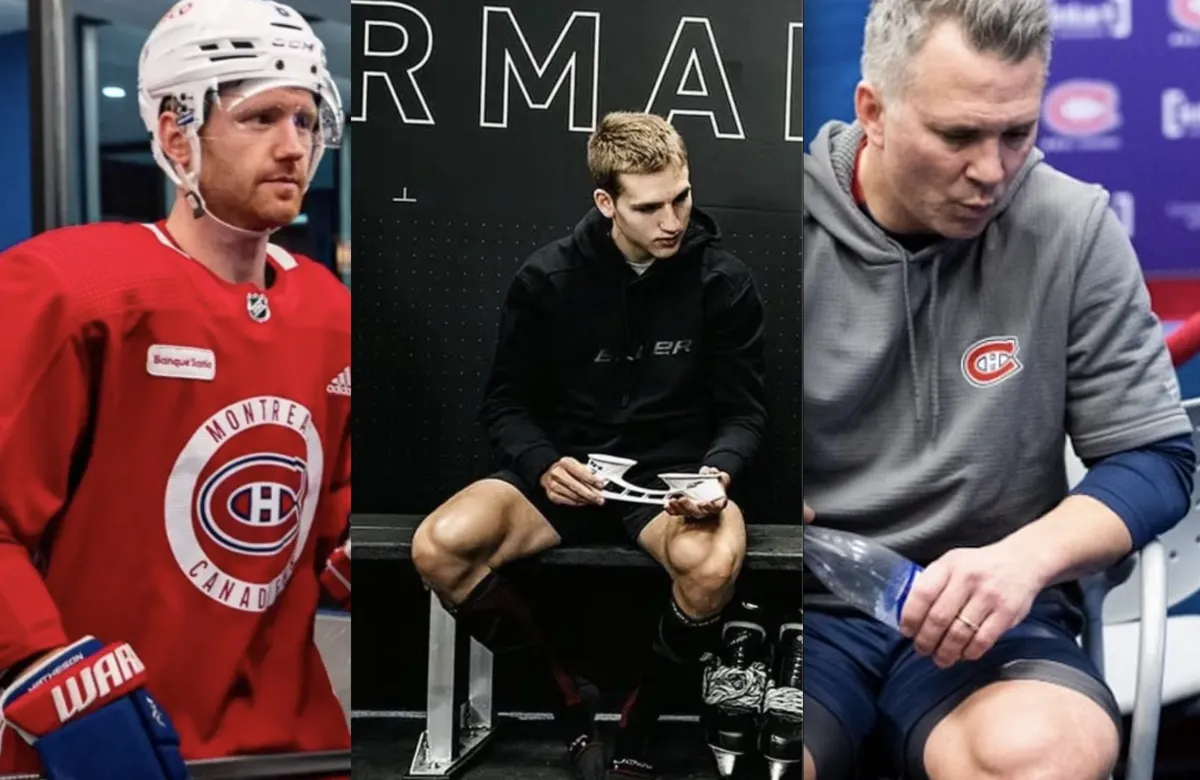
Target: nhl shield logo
{"points": [[258, 307]]}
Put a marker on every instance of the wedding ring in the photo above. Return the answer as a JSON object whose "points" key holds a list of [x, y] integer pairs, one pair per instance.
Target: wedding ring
{"points": [[966, 622]]}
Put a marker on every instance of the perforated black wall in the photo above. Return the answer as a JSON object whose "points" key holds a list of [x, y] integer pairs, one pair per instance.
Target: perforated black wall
{"points": [[469, 153]]}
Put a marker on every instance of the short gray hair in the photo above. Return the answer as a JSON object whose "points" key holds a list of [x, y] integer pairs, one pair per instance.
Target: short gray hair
{"points": [[897, 30]]}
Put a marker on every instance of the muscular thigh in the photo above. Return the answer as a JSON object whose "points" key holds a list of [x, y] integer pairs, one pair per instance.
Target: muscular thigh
{"points": [[929, 716], [492, 520]]}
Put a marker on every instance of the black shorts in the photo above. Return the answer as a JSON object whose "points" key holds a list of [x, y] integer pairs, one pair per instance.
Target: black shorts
{"points": [[615, 521], [863, 680]]}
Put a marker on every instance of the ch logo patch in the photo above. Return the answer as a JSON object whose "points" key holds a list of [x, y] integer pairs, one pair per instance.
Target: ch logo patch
{"points": [[258, 307], [990, 361]]}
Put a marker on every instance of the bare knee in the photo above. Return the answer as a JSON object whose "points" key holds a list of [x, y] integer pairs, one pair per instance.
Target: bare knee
{"points": [[705, 559], [1068, 742], [1038, 749], [441, 544], [810, 769], [458, 537], [484, 526]]}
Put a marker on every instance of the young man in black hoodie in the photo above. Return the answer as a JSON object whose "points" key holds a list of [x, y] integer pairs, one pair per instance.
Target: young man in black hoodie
{"points": [[636, 336]]}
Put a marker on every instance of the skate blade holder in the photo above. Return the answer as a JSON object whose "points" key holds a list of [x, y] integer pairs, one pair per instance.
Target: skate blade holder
{"points": [[611, 469]]}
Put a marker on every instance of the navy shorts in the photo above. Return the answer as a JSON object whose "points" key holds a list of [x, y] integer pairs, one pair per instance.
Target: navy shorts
{"points": [[863, 681], [615, 521]]}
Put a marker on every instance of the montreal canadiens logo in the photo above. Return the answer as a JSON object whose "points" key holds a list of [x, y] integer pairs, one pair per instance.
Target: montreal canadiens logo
{"points": [[1186, 13], [1083, 108], [241, 499], [269, 502], [990, 361]]}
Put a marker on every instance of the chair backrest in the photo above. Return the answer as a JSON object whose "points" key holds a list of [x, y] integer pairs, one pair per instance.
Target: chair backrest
{"points": [[1182, 544]]}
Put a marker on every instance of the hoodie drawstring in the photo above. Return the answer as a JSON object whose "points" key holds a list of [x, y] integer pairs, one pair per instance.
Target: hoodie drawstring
{"points": [[910, 329], [935, 413]]}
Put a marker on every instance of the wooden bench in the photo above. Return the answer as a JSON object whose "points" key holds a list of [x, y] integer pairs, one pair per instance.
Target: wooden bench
{"points": [[459, 718]]}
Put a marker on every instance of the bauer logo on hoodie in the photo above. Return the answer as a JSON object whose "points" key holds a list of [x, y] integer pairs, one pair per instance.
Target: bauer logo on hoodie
{"points": [[992, 360]]}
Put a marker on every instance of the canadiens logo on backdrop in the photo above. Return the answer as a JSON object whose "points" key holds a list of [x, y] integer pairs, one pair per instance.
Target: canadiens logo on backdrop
{"points": [[1186, 16], [1082, 115], [258, 307], [241, 499], [990, 361], [1092, 19]]}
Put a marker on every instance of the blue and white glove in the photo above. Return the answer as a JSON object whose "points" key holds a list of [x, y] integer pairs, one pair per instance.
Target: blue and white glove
{"points": [[87, 713]]}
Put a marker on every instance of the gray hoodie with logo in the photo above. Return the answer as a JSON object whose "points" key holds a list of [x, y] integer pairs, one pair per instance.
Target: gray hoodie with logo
{"points": [[940, 387]]}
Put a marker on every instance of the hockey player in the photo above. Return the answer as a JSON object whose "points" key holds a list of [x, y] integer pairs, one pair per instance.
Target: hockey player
{"points": [[641, 336], [174, 432]]}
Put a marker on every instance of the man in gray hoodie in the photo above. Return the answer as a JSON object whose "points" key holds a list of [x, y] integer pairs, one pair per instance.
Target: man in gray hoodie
{"points": [[967, 309]]}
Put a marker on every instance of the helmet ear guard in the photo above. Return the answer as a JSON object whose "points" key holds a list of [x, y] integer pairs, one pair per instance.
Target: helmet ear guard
{"points": [[189, 118]]}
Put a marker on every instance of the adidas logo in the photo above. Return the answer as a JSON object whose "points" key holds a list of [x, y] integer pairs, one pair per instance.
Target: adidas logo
{"points": [[340, 384]]}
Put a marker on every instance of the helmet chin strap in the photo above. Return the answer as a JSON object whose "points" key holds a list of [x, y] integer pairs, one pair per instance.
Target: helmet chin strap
{"points": [[200, 209], [190, 181]]}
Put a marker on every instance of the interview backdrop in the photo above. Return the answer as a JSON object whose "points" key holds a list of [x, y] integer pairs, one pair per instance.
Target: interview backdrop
{"points": [[1122, 109]]}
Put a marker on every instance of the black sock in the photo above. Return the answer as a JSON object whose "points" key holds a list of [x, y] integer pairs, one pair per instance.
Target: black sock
{"points": [[496, 616], [680, 641], [684, 639]]}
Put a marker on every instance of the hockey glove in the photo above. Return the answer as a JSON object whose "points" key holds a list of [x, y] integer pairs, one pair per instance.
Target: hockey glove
{"points": [[88, 715]]}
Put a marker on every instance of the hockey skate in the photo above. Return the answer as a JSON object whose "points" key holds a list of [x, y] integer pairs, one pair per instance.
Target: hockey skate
{"points": [[734, 684], [781, 739]]}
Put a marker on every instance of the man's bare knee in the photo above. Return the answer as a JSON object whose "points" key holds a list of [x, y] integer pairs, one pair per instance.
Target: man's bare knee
{"points": [[486, 525], [447, 546], [1012, 733], [810, 769], [705, 561]]}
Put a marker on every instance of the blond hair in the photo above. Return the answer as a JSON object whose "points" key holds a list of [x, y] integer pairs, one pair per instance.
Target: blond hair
{"points": [[632, 142]]}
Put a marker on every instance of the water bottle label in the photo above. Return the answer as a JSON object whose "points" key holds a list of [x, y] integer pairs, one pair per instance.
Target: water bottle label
{"points": [[909, 578]]}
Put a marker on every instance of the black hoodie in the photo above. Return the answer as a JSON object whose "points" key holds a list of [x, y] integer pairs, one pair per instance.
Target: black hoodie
{"points": [[666, 368]]}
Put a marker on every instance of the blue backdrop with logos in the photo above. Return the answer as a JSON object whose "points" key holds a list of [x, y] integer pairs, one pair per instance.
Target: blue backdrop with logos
{"points": [[1122, 109]]}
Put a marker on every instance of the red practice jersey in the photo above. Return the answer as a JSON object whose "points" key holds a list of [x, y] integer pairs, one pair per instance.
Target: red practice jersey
{"points": [[174, 469]]}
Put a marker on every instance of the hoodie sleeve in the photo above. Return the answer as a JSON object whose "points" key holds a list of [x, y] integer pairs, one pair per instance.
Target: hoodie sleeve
{"points": [[737, 374], [1122, 390], [513, 386]]}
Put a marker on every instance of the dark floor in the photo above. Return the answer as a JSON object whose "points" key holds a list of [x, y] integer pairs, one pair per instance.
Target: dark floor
{"points": [[523, 750], [383, 750]]}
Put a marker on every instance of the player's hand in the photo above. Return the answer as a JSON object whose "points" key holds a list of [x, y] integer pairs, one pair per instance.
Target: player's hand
{"points": [[809, 515], [965, 600], [689, 508], [721, 475], [571, 483], [114, 729], [336, 576]]}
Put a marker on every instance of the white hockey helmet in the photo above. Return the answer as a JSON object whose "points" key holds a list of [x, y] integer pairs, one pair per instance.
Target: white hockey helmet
{"points": [[200, 45]]}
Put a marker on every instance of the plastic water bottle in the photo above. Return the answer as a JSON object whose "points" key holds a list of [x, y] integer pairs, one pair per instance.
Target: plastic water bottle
{"points": [[862, 572]]}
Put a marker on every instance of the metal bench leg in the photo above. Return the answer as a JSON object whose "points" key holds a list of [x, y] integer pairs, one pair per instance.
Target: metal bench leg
{"points": [[455, 730], [479, 713]]}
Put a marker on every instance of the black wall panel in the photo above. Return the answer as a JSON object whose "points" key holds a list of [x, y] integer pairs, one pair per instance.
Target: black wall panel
{"points": [[470, 122]]}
